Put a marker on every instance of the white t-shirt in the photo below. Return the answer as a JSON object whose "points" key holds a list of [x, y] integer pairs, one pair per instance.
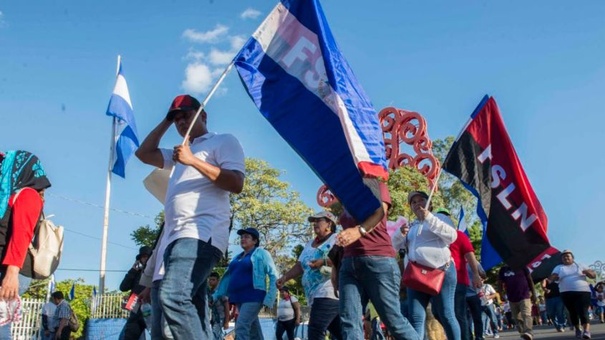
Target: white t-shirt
{"points": [[49, 309], [194, 206], [487, 289], [285, 310], [600, 299], [571, 278]]}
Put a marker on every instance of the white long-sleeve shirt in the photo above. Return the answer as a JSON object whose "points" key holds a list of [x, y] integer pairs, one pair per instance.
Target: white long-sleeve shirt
{"points": [[428, 241]]}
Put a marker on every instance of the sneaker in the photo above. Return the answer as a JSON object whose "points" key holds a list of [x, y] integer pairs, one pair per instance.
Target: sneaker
{"points": [[496, 336], [560, 330], [526, 336], [578, 333], [586, 335]]}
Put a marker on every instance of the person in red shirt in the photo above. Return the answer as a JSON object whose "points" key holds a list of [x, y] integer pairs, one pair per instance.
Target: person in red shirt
{"points": [[22, 185], [369, 272]]}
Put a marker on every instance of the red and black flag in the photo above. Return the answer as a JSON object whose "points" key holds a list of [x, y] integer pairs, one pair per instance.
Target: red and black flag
{"points": [[514, 223]]}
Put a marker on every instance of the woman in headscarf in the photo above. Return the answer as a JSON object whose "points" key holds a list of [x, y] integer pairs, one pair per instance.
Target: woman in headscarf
{"points": [[22, 185], [315, 267], [575, 291]]}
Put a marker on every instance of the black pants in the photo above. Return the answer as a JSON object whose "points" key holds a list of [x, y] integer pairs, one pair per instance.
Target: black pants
{"points": [[285, 326], [134, 327], [65, 334], [577, 304]]}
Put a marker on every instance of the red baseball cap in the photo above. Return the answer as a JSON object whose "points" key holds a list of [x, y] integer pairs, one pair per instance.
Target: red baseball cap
{"points": [[183, 102]]}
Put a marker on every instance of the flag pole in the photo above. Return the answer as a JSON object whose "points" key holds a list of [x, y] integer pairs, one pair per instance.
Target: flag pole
{"points": [[107, 196]]}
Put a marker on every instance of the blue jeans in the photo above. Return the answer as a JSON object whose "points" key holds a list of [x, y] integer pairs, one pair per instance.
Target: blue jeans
{"points": [[374, 278], [324, 316], [247, 325], [443, 305], [460, 311], [188, 263], [474, 305], [159, 327], [490, 312], [556, 311]]}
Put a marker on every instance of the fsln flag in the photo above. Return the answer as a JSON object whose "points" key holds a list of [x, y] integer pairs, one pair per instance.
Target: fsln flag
{"points": [[462, 222], [514, 223], [127, 140], [72, 292], [302, 84]]}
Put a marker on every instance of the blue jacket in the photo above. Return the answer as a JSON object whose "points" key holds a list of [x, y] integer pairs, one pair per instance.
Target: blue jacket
{"points": [[262, 266]]}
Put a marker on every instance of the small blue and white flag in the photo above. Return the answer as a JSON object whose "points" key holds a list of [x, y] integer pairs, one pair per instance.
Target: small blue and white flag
{"points": [[127, 140], [93, 300], [51, 287], [296, 75], [462, 222], [72, 292]]}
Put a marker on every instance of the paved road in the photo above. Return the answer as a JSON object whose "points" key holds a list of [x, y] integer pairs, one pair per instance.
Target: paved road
{"points": [[548, 332]]}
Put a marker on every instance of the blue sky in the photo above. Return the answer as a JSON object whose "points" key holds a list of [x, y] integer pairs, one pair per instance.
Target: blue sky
{"points": [[543, 61]]}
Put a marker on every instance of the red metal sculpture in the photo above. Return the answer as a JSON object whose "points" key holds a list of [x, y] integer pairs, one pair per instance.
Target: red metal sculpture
{"points": [[400, 127]]}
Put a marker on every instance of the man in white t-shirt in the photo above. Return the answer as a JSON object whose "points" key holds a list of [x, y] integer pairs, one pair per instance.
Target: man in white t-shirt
{"points": [[206, 170], [48, 321]]}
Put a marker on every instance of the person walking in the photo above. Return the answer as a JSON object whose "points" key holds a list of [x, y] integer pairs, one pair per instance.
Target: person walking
{"points": [[521, 294], [250, 284], [427, 243], [288, 315], [315, 267], [206, 169], [575, 291], [554, 305], [369, 272], [23, 183]]}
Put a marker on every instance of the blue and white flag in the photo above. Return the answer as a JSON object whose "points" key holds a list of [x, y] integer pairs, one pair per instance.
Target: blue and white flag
{"points": [[462, 223], [302, 84], [127, 140], [93, 300], [72, 292], [51, 287]]}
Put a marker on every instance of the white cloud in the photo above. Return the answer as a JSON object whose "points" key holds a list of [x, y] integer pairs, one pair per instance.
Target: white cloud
{"points": [[250, 13], [2, 22], [211, 36], [237, 41], [218, 57], [195, 56], [198, 78]]}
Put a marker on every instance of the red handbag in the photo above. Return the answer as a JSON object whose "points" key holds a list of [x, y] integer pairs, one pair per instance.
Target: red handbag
{"points": [[423, 279]]}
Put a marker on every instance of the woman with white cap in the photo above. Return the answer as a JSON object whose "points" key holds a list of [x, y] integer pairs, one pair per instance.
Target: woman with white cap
{"points": [[427, 243], [575, 291], [315, 267]]}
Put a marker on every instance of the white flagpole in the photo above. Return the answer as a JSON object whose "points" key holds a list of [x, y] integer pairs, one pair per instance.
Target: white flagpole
{"points": [[107, 196]]}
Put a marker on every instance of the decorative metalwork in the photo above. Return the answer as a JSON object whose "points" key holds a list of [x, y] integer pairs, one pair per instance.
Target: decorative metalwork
{"points": [[400, 127], [599, 268]]}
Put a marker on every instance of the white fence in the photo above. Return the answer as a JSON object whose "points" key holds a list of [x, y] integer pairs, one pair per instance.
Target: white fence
{"points": [[31, 320], [108, 306]]}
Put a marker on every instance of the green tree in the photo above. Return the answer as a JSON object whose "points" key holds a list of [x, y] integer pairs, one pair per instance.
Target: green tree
{"points": [[146, 235], [269, 204]]}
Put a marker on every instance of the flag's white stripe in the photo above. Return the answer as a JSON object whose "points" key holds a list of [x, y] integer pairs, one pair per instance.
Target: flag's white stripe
{"points": [[277, 49], [121, 89]]}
